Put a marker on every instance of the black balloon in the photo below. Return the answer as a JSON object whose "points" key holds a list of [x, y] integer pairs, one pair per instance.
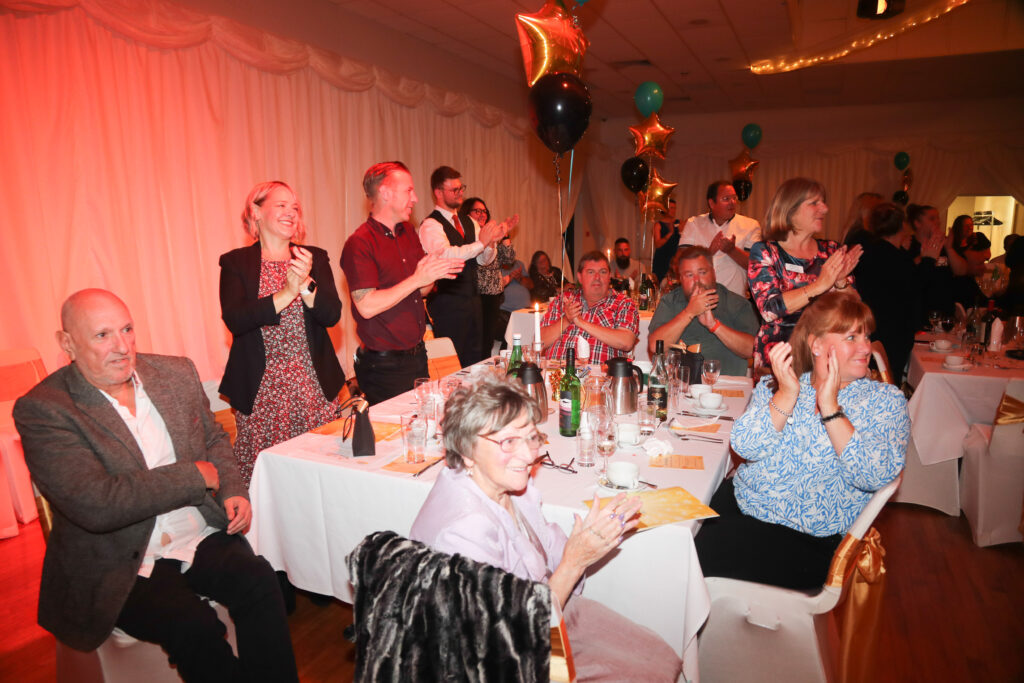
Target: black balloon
{"points": [[742, 187], [900, 197], [635, 174], [560, 108]]}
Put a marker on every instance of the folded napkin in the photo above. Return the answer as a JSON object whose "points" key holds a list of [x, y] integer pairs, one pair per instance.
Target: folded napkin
{"points": [[729, 393], [582, 348], [656, 447], [667, 506], [695, 424], [400, 465]]}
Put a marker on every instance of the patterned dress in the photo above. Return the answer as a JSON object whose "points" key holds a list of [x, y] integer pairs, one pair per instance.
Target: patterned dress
{"points": [[289, 401], [771, 271]]}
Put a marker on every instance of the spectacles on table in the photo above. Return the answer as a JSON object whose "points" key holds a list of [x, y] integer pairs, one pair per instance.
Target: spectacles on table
{"points": [[546, 461], [511, 444]]}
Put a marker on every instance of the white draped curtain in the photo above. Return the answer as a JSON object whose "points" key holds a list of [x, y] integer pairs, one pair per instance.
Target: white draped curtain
{"points": [[134, 129]]}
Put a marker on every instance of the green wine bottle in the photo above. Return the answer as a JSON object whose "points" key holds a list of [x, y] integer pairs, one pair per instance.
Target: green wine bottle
{"points": [[657, 382], [515, 359], [569, 397]]}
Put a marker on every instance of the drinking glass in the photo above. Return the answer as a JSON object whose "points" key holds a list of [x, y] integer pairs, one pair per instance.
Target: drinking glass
{"points": [[414, 437], [675, 396], [684, 378], [712, 369], [647, 419], [674, 361], [423, 386], [947, 323], [604, 435], [449, 385], [933, 319], [585, 443]]}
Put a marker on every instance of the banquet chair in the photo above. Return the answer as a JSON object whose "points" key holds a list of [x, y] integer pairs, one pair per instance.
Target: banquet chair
{"points": [[757, 632], [441, 357], [992, 476], [120, 658], [420, 614], [881, 361], [20, 370]]}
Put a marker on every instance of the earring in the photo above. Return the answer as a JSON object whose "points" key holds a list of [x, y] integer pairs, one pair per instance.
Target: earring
{"points": [[816, 354]]}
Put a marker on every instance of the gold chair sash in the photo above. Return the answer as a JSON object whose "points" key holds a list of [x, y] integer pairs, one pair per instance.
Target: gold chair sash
{"points": [[858, 615], [1010, 411]]}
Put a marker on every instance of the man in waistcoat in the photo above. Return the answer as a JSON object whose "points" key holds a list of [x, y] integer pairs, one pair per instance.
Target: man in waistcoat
{"points": [[454, 305]]}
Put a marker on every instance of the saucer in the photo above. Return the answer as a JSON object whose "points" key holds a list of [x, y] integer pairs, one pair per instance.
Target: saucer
{"points": [[700, 410], [603, 482], [936, 349], [958, 368]]}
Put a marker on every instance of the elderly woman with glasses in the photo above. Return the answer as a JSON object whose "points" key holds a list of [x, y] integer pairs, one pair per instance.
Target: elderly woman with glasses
{"points": [[485, 506]]}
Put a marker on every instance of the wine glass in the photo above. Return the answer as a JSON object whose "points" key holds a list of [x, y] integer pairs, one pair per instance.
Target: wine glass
{"points": [[712, 369], [933, 319], [947, 323]]}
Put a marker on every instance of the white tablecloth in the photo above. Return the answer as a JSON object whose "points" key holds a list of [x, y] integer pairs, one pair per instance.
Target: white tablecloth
{"points": [[947, 402], [521, 322], [312, 507]]}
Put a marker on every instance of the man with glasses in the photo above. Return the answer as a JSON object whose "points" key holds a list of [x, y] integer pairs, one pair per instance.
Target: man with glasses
{"points": [[727, 235], [454, 305]]}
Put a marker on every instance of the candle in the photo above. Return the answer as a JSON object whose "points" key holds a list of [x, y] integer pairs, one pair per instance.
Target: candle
{"points": [[609, 252], [536, 323]]}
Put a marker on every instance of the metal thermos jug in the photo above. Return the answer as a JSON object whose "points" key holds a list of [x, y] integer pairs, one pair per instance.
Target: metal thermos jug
{"points": [[626, 382]]}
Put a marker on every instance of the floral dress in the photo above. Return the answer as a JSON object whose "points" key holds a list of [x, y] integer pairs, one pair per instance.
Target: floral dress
{"points": [[289, 401], [771, 271]]}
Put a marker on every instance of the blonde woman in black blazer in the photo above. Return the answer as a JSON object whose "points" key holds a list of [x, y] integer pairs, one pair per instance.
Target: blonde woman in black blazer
{"points": [[278, 298]]}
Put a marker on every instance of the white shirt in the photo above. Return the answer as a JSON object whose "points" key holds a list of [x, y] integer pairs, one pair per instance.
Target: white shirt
{"points": [[633, 272], [700, 230], [433, 240], [179, 532]]}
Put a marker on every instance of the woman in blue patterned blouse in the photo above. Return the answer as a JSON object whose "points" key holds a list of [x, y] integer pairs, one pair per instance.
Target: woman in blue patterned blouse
{"points": [[818, 439]]}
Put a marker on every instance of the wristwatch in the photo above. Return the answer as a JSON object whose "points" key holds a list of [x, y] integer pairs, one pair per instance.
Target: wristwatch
{"points": [[310, 288]]}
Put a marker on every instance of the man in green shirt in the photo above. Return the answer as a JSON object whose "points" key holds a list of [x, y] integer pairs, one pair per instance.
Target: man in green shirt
{"points": [[701, 311]]}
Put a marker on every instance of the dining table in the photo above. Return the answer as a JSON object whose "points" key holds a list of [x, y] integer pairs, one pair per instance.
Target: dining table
{"points": [[522, 322], [946, 401], [313, 503]]}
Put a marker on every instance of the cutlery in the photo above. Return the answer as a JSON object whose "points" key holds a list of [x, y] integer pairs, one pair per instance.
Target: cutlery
{"points": [[720, 417], [697, 437], [427, 467], [648, 484]]}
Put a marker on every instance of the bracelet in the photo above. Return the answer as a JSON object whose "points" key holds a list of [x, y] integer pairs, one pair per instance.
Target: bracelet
{"points": [[718, 323], [780, 411], [833, 416]]}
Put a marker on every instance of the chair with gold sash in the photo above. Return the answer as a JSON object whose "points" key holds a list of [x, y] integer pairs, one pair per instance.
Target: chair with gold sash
{"points": [[992, 476], [441, 357], [20, 370], [757, 632], [881, 362]]}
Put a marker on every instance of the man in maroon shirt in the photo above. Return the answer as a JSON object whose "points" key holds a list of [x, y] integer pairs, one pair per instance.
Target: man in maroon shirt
{"points": [[388, 274]]}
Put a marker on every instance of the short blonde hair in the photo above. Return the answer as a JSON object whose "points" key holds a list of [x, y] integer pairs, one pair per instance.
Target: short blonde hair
{"points": [[257, 195], [791, 194], [830, 312]]}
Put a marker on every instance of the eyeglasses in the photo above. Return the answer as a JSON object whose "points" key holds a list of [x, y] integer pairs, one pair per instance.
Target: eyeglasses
{"points": [[456, 190], [483, 212], [512, 443], [546, 461]]}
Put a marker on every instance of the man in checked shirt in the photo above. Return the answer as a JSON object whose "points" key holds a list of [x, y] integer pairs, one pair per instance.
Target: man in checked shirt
{"points": [[608, 320]]}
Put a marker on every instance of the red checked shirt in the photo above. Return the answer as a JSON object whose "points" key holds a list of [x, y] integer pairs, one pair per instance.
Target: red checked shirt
{"points": [[615, 311]]}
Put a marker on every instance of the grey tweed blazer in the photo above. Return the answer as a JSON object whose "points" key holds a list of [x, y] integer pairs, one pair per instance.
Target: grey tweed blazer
{"points": [[104, 498]]}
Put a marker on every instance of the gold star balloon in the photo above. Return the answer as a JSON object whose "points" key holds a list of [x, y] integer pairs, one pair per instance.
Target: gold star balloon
{"points": [[656, 196], [551, 42], [743, 166], [650, 137]]}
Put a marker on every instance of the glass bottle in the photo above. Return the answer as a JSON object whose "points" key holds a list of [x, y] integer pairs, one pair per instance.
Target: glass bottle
{"points": [[657, 383], [569, 397], [515, 359]]}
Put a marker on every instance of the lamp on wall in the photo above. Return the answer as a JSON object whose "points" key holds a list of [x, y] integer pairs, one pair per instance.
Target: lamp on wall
{"points": [[879, 9]]}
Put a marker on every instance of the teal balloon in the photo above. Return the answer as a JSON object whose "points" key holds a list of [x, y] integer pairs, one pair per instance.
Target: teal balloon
{"points": [[751, 135], [902, 160], [648, 98]]}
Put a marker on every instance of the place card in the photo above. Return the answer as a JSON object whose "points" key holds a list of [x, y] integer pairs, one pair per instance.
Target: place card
{"points": [[400, 465], [381, 430], [730, 393], [666, 506], [678, 461], [710, 428]]}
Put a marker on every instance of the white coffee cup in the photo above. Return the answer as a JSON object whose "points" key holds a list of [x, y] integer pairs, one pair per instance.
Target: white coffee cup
{"points": [[942, 344], [625, 474], [697, 389], [710, 400], [955, 361]]}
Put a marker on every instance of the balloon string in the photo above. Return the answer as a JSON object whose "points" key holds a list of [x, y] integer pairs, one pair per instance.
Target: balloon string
{"points": [[561, 233]]}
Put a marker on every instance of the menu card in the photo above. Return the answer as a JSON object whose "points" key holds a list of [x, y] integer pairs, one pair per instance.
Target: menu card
{"points": [[666, 506]]}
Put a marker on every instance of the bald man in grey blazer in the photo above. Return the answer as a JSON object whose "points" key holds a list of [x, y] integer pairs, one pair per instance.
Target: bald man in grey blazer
{"points": [[148, 506]]}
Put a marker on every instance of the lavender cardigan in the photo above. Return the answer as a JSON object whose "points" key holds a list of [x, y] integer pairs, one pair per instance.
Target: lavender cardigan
{"points": [[458, 517]]}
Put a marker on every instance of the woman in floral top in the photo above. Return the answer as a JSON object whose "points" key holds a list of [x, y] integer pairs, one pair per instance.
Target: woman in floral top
{"points": [[817, 440], [791, 268]]}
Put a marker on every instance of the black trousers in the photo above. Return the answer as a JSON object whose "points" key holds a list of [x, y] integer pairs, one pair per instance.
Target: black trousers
{"points": [[458, 317], [736, 546], [382, 377], [490, 315], [166, 609]]}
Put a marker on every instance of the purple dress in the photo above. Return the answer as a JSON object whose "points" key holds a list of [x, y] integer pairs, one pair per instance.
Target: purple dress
{"points": [[772, 271], [458, 517]]}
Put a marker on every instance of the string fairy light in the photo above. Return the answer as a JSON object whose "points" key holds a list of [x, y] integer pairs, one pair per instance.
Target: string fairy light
{"points": [[862, 41]]}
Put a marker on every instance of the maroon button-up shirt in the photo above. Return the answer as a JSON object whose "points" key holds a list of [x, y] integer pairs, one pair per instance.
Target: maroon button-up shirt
{"points": [[376, 257]]}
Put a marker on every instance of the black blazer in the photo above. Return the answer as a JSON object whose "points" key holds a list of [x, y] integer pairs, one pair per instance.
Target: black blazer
{"points": [[245, 313]]}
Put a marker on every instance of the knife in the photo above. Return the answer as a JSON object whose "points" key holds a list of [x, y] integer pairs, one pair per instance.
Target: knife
{"points": [[428, 467], [720, 417]]}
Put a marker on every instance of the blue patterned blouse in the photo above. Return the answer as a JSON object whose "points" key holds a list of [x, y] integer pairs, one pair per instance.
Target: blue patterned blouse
{"points": [[795, 478]]}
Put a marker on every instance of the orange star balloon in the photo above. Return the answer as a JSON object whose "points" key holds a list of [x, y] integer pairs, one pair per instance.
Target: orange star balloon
{"points": [[651, 137], [551, 42], [656, 196], [743, 166]]}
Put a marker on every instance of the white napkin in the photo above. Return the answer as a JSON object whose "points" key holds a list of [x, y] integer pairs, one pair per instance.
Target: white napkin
{"points": [[996, 341], [656, 447], [686, 422], [582, 348]]}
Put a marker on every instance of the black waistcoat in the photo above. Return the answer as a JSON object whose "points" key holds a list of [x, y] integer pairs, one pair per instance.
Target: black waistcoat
{"points": [[465, 283]]}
